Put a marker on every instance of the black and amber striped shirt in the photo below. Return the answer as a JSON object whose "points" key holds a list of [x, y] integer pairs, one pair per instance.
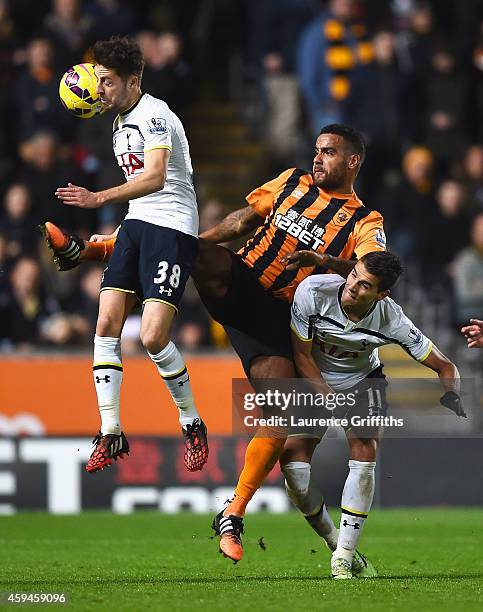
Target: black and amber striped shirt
{"points": [[299, 215]]}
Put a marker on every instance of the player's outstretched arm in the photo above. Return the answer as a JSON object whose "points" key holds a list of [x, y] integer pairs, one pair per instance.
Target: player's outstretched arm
{"points": [[309, 259], [235, 225], [473, 333], [449, 377]]}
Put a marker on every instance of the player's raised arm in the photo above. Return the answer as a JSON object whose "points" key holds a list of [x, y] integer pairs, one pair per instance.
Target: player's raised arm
{"points": [[244, 220], [235, 225], [449, 377]]}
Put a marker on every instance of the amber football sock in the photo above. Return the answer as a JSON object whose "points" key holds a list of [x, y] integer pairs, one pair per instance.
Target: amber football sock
{"points": [[98, 251], [260, 457]]}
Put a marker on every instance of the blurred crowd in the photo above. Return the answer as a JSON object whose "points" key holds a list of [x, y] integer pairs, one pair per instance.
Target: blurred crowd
{"points": [[407, 73]]}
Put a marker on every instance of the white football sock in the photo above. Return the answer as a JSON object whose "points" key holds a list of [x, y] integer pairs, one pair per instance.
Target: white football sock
{"points": [[309, 500], [355, 505], [171, 366], [107, 371]]}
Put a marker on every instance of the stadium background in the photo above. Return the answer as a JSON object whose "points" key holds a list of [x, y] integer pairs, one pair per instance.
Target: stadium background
{"points": [[407, 73]]}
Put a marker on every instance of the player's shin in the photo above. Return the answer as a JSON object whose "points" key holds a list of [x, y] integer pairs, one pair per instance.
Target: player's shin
{"points": [[309, 500], [172, 368], [260, 457], [355, 505], [107, 371]]}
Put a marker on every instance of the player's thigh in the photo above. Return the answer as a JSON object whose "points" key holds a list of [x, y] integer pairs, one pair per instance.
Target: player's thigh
{"points": [[156, 324], [264, 366], [298, 448], [212, 270], [114, 307]]}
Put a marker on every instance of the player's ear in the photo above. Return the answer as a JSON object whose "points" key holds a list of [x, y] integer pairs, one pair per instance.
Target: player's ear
{"points": [[354, 161], [383, 294]]}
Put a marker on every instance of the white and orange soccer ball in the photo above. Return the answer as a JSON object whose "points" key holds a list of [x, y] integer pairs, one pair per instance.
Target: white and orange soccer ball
{"points": [[77, 91]]}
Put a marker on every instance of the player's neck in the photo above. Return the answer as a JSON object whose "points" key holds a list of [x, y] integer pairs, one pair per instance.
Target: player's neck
{"points": [[131, 102], [356, 313]]}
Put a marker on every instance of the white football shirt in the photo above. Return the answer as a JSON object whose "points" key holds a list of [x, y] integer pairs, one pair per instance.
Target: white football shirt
{"points": [[150, 124], [346, 352]]}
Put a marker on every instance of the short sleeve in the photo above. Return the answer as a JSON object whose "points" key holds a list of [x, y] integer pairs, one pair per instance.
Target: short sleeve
{"points": [[409, 336], [369, 235], [263, 198], [157, 129], [303, 308]]}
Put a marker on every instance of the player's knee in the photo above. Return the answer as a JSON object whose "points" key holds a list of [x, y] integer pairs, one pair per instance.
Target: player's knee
{"points": [[364, 449], [297, 476], [108, 324], [154, 340]]}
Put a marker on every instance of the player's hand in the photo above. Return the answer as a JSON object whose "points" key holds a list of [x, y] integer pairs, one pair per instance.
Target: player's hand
{"points": [[452, 401], [473, 333], [303, 259], [72, 195]]}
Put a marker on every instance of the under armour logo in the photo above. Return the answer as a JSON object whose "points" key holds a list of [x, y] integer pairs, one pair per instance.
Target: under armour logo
{"points": [[167, 291], [105, 378], [355, 525], [183, 382]]}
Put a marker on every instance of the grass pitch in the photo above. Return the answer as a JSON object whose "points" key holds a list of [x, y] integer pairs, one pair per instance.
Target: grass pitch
{"points": [[427, 560]]}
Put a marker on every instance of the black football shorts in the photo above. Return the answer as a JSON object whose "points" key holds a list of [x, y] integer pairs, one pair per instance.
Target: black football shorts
{"points": [[256, 323], [151, 261]]}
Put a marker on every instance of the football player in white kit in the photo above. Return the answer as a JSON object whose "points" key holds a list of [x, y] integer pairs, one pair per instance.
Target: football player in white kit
{"points": [[337, 326], [155, 249]]}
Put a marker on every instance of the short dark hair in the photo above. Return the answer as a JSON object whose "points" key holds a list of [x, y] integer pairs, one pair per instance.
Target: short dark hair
{"points": [[119, 53], [386, 266], [350, 135]]}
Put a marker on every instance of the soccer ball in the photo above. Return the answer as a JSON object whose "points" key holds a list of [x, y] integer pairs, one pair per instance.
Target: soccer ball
{"points": [[77, 91]]}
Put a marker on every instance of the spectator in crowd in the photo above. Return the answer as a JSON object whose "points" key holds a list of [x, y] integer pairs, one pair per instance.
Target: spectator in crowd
{"points": [[37, 94], [445, 99], [331, 48], [28, 308], [88, 299], [166, 74], [44, 171], [11, 56], [110, 17], [473, 177], [70, 30], [275, 29], [468, 276], [445, 232], [408, 205], [17, 222], [282, 133], [383, 105]]}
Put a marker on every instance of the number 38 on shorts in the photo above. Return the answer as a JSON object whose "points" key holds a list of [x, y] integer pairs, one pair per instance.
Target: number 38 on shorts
{"points": [[152, 261]]}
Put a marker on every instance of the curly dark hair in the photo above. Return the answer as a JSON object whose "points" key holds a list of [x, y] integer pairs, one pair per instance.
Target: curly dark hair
{"points": [[386, 266], [121, 54]]}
